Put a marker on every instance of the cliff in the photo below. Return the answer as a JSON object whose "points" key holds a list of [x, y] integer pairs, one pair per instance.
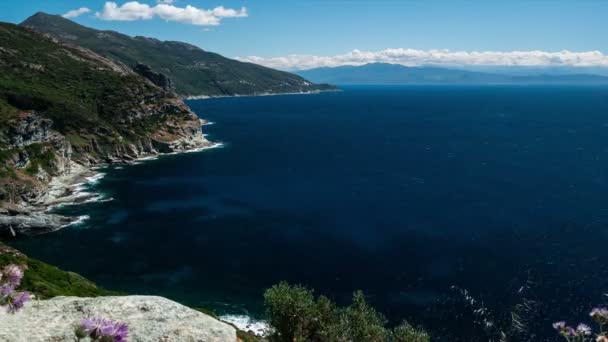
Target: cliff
{"points": [[65, 109]]}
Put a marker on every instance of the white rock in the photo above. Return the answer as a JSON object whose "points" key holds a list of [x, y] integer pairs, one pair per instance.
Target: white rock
{"points": [[150, 318]]}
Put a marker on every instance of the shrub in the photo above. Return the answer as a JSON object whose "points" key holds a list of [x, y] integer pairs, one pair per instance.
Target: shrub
{"points": [[296, 315], [407, 333]]}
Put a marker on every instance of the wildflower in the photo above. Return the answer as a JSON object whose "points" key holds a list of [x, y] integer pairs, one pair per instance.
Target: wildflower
{"points": [[583, 330], [18, 301], [116, 330], [13, 274], [103, 329], [92, 326], [6, 290], [600, 315]]}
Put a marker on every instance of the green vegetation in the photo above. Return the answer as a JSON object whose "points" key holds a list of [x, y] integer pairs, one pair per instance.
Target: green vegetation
{"points": [[41, 156], [194, 71], [297, 315], [46, 281], [97, 104], [73, 88]]}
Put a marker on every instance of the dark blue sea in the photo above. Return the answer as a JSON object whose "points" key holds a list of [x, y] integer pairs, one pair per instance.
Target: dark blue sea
{"points": [[412, 194]]}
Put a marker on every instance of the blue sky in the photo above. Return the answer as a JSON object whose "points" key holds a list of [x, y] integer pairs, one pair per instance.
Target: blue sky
{"points": [[336, 27]]}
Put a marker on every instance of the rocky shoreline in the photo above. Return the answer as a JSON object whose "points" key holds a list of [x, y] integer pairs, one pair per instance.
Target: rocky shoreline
{"points": [[35, 216]]}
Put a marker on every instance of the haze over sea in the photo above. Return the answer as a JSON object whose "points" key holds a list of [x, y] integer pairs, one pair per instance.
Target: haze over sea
{"points": [[402, 192]]}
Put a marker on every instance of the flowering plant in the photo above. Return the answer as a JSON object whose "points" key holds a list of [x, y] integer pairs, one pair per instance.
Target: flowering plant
{"points": [[10, 279], [583, 332], [103, 330]]}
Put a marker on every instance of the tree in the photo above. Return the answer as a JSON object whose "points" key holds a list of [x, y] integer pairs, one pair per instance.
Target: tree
{"points": [[297, 316]]}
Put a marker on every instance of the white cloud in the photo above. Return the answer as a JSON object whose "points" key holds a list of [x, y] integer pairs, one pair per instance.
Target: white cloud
{"points": [[77, 12], [411, 57], [134, 10], [165, 1]]}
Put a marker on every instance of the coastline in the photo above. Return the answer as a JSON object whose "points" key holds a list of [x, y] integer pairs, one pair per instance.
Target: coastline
{"points": [[72, 188], [210, 97]]}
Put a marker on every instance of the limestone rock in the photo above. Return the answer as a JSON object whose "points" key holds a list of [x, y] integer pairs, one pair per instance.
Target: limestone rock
{"points": [[150, 318]]}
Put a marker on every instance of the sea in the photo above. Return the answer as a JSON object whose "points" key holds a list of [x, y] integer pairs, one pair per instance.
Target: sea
{"points": [[451, 207]]}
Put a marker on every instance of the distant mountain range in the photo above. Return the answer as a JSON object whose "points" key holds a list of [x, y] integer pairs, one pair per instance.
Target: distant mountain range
{"points": [[193, 71], [382, 73]]}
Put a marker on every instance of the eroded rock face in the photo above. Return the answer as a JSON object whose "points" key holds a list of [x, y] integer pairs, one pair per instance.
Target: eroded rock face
{"points": [[30, 129], [157, 78], [150, 318]]}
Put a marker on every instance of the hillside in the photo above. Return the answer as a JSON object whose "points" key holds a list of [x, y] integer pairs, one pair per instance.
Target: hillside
{"points": [[194, 71], [382, 73], [64, 109]]}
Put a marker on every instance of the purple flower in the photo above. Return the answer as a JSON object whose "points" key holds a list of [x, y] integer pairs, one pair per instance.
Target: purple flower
{"points": [[101, 328], [18, 301], [559, 325], [583, 330], [117, 330], [92, 326], [6, 290], [13, 274]]}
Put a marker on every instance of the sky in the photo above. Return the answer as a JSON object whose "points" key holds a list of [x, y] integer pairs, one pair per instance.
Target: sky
{"points": [[297, 34]]}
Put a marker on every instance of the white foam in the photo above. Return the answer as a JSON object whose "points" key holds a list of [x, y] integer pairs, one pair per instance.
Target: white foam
{"points": [[96, 178], [246, 323], [148, 158], [100, 198], [214, 145], [78, 221], [209, 123]]}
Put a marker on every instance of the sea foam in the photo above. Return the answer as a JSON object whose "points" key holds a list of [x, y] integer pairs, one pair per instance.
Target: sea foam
{"points": [[246, 323], [78, 221]]}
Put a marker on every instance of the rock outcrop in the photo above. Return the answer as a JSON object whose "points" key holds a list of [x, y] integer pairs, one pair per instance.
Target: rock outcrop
{"points": [[157, 78], [150, 319]]}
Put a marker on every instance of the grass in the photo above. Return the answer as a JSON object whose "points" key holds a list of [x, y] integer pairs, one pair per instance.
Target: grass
{"points": [[46, 281]]}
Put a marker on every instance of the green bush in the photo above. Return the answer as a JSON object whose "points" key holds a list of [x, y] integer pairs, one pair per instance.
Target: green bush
{"points": [[407, 333], [296, 315]]}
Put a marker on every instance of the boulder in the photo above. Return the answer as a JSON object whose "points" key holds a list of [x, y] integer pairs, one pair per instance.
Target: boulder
{"points": [[150, 318]]}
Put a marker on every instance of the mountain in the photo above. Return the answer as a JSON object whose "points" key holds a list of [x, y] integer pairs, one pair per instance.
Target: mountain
{"points": [[382, 73], [65, 109], [194, 71]]}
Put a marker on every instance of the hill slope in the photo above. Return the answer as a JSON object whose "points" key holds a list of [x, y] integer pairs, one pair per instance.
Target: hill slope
{"points": [[64, 108], [193, 70], [382, 73]]}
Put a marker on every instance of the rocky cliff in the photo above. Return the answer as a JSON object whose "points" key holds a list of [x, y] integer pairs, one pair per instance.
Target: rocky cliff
{"points": [[63, 110]]}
